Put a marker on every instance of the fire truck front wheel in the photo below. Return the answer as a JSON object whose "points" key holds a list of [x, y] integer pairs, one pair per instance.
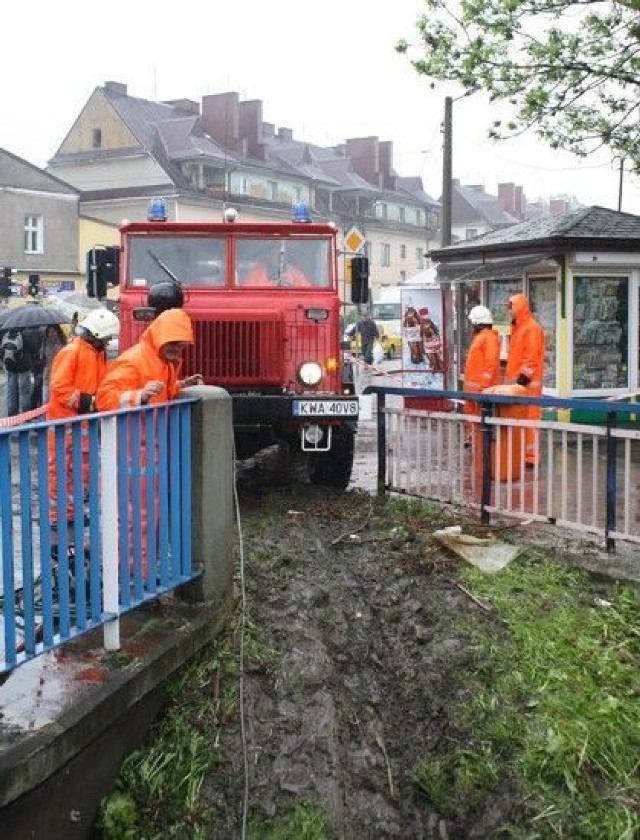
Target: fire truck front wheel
{"points": [[333, 468]]}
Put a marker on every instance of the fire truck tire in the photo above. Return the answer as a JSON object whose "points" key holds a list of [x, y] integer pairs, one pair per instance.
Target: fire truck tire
{"points": [[333, 468]]}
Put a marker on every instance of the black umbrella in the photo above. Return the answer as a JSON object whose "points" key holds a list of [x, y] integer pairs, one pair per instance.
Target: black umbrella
{"points": [[31, 315]]}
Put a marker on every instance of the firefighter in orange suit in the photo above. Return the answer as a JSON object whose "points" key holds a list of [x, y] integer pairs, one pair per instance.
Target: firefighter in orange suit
{"points": [[482, 367], [76, 372], [146, 374], [525, 363]]}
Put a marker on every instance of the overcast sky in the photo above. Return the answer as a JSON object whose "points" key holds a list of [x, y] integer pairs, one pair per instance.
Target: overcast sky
{"points": [[327, 70]]}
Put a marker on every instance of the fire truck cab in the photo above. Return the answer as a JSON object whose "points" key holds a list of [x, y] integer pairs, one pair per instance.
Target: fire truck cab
{"points": [[264, 302]]}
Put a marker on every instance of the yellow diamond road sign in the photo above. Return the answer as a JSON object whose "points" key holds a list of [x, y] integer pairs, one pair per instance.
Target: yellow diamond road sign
{"points": [[354, 240]]}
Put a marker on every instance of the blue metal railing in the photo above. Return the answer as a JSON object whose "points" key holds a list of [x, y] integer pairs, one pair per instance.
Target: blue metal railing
{"points": [[95, 518]]}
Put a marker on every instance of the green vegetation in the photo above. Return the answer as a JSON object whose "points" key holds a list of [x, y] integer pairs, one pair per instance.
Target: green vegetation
{"points": [[567, 70], [551, 714], [157, 792], [302, 822]]}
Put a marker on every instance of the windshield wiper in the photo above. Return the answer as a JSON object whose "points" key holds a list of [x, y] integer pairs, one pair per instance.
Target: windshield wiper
{"points": [[164, 267]]}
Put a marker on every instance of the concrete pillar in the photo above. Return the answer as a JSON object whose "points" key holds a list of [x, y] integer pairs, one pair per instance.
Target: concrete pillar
{"points": [[212, 497]]}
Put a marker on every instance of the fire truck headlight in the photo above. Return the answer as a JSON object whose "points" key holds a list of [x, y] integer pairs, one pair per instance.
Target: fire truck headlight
{"points": [[309, 373]]}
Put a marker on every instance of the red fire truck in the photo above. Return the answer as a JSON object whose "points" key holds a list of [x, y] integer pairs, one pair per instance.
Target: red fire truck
{"points": [[264, 302]]}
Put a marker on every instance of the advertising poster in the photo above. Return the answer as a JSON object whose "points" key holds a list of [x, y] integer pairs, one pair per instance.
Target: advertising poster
{"points": [[423, 350]]}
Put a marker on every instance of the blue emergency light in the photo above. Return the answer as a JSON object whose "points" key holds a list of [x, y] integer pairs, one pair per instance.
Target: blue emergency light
{"points": [[157, 211], [301, 212]]}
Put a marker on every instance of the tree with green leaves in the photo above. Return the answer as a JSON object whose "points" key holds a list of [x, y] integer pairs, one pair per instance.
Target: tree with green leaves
{"points": [[569, 69]]}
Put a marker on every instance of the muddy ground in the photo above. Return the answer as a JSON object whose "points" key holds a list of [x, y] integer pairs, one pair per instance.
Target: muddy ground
{"points": [[370, 630]]}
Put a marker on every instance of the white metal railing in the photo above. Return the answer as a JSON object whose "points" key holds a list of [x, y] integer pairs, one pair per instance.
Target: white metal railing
{"points": [[587, 477]]}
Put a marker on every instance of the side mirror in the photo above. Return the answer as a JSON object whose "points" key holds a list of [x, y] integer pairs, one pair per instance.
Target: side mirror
{"points": [[359, 279]]}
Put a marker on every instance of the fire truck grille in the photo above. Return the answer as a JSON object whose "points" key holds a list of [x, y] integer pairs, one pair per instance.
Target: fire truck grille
{"points": [[238, 352]]}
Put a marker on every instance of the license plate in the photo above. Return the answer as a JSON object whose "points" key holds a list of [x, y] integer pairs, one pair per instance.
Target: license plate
{"points": [[325, 408]]}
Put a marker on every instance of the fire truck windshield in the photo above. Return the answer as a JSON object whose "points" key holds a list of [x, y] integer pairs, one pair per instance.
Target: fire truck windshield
{"points": [[192, 260], [218, 261], [285, 262]]}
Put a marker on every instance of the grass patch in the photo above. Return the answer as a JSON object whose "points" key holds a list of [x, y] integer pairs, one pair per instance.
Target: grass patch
{"points": [[302, 822], [554, 704], [157, 793]]}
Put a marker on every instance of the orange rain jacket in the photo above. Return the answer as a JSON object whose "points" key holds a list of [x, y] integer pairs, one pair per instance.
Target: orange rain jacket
{"points": [[482, 368], [526, 346], [78, 368], [130, 372]]}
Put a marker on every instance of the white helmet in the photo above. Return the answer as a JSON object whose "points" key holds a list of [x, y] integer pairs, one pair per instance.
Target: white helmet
{"points": [[102, 324], [480, 315]]}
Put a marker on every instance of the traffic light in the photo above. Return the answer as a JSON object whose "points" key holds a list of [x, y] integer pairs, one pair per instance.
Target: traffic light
{"points": [[103, 266], [112, 265], [5, 282], [34, 285], [359, 279]]}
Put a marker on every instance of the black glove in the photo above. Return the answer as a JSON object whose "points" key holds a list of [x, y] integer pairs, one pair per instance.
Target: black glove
{"points": [[87, 404], [523, 380]]}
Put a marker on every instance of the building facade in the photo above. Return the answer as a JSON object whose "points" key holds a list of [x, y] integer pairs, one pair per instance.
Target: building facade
{"points": [[39, 228], [202, 157]]}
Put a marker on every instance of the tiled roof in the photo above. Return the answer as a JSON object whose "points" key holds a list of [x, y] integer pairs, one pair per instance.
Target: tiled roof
{"points": [[472, 205], [171, 137], [596, 225], [19, 173]]}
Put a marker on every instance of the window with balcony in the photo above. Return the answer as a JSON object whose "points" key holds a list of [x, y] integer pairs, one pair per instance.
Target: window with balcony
{"points": [[33, 235], [272, 190]]}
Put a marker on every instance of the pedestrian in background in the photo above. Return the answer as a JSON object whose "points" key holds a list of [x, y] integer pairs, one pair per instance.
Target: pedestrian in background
{"points": [[35, 341], [525, 364], [54, 341], [369, 331], [482, 366], [19, 377]]}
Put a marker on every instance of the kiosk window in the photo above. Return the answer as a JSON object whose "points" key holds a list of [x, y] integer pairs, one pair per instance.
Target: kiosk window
{"points": [[600, 327], [542, 299]]}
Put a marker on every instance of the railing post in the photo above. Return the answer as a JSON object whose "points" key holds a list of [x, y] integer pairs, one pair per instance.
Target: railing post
{"points": [[610, 523], [212, 497], [382, 443], [486, 432], [109, 510]]}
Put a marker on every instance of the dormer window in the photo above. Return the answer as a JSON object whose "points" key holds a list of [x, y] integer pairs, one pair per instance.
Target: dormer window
{"points": [[96, 138]]}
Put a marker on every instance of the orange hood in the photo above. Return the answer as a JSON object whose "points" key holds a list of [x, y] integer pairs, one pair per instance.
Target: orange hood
{"points": [[519, 307], [170, 325]]}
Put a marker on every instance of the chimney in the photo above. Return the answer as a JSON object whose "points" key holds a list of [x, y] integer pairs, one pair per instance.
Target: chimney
{"points": [[386, 164], [250, 125], [365, 158], [507, 198], [221, 119], [184, 107], [479, 188], [115, 88], [268, 129], [558, 205], [285, 134], [519, 203]]}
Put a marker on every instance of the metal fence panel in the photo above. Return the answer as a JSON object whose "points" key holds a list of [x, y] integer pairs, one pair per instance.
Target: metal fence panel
{"points": [[115, 530]]}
